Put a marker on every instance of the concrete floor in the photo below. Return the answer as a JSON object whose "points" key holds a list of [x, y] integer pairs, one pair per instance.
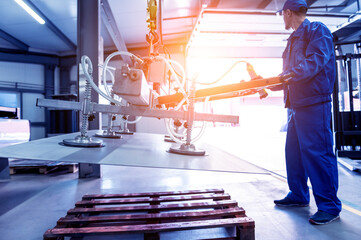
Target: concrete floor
{"points": [[32, 203]]}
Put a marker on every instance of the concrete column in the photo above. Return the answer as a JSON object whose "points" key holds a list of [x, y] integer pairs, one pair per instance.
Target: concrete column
{"points": [[89, 39], [4, 169], [89, 44], [49, 91]]}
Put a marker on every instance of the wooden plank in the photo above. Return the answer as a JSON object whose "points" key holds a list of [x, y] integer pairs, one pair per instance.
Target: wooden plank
{"points": [[163, 207], [44, 169], [73, 168], [158, 216], [155, 217], [151, 194], [153, 200], [244, 232], [150, 228], [226, 238]]}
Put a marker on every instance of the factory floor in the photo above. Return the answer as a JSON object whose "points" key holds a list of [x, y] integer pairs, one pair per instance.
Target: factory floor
{"points": [[32, 203]]}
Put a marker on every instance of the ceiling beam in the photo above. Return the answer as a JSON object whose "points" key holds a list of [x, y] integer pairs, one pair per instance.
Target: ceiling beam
{"points": [[113, 30], [348, 33], [343, 5], [334, 8], [11, 55], [14, 41], [260, 12], [264, 4], [310, 2], [52, 26]]}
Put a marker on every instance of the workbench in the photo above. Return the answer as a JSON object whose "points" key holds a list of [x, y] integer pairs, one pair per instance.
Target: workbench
{"points": [[137, 150]]}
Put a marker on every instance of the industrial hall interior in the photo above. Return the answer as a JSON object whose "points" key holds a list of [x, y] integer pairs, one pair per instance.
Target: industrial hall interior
{"points": [[180, 119]]}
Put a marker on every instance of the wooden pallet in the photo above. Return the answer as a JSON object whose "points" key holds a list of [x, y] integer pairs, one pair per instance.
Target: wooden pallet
{"points": [[152, 213], [42, 167]]}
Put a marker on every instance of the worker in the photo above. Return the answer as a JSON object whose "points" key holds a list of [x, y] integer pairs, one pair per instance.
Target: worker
{"points": [[309, 58]]}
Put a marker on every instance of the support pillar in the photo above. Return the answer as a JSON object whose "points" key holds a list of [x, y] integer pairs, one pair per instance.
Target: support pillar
{"points": [[49, 91], [4, 169], [89, 40], [89, 44], [87, 170]]}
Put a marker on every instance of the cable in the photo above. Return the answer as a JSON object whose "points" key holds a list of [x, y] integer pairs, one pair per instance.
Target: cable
{"points": [[177, 136], [105, 68], [168, 63], [105, 82], [165, 49], [85, 59]]}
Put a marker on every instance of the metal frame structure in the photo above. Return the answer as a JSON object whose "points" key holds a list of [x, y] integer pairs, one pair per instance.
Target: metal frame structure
{"points": [[113, 30], [347, 117], [14, 40], [52, 26], [347, 124]]}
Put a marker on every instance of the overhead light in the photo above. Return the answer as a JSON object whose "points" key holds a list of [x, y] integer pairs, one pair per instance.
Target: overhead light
{"points": [[30, 11]]}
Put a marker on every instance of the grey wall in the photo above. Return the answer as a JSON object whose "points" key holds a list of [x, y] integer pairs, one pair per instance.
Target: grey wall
{"points": [[26, 78]]}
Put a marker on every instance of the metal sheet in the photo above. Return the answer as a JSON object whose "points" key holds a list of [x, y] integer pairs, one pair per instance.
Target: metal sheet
{"points": [[14, 131], [138, 150]]}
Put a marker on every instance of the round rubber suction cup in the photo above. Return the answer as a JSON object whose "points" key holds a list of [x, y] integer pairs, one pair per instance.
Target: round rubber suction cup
{"points": [[186, 149], [80, 141], [126, 132], [106, 134]]}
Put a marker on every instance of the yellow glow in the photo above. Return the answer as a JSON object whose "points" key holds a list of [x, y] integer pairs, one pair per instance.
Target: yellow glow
{"points": [[253, 112], [211, 69]]}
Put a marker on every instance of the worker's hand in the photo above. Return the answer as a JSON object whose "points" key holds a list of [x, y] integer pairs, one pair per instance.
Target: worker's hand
{"points": [[285, 77]]}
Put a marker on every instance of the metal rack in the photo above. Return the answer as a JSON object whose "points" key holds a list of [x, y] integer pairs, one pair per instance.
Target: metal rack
{"points": [[347, 90]]}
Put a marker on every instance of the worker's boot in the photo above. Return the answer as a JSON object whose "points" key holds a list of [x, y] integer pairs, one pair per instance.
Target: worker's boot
{"points": [[286, 202], [321, 217]]}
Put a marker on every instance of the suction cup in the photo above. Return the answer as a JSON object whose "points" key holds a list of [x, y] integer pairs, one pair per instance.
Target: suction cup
{"points": [[83, 141], [187, 149], [126, 132], [107, 134]]}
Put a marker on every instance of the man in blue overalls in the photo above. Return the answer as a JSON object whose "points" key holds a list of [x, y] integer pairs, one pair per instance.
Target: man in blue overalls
{"points": [[309, 58]]}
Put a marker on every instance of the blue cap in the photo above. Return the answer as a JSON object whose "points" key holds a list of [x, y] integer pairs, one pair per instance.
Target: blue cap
{"points": [[294, 5]]}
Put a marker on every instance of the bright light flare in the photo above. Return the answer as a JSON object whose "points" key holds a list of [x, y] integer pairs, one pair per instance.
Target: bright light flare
{"points": [[211, 69], [30, 11]]}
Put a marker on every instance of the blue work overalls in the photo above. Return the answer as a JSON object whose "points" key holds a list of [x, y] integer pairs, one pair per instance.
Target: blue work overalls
{"points": [[309, 144]]}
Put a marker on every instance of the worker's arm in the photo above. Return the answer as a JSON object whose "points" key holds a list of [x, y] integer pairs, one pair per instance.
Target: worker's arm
{"points": [[318, 53], [284, 78]]}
